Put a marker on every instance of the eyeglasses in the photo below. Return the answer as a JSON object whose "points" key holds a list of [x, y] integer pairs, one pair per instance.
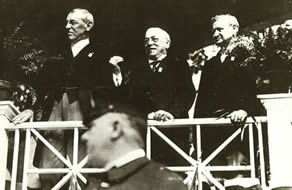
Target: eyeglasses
{"points": [[153, 39]]}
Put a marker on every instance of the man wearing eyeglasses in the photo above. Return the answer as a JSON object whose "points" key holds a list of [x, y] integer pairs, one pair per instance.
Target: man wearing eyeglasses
{"points": [[162, 86]]}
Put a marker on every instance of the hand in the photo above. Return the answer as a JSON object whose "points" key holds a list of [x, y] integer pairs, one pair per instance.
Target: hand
{"points": [[238, 116], [22, 117], [160, 115], [115, 60]]}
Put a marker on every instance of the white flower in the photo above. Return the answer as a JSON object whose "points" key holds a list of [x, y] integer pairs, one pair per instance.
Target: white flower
{"points": [[160, 69], [90, 54]]}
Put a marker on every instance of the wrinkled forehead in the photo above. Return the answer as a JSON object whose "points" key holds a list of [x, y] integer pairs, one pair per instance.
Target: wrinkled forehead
{"points": [[76, 15], [155, 32], [222, 23]]}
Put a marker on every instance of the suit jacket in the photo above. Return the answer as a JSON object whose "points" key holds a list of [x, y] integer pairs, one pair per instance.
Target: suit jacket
{"points": [[141, 174], [225, 87], [169, 88], [87, 71]]}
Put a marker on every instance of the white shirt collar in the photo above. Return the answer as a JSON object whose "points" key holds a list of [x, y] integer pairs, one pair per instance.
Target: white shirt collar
{"points": [[117, 78], [127, 158], [159, 59], [78, 46]]}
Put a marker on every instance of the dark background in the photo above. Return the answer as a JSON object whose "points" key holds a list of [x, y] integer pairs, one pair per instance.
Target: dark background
{"points": [[120, 24]]}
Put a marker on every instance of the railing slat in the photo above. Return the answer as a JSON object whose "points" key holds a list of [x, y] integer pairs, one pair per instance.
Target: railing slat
{"points": [[76, 169], [148, 142], [63, 181], [251, 151], [26, 159], [15, 159], [262, 158], [51, 148], [175, 147], [199, 156], [221, 147]]}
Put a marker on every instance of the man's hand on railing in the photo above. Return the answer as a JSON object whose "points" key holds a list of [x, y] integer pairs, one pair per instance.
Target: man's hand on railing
{"points": [[22, 116], [160, 115], [238, 116]]}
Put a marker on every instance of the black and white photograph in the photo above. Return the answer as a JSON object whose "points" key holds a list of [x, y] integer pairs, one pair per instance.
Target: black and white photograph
{"points": [[146, 94]]}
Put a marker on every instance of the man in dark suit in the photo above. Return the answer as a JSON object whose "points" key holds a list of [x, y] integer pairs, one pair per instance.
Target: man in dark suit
{"points": [[162, 87], [66, 86], [115, 143], [226, 88]]}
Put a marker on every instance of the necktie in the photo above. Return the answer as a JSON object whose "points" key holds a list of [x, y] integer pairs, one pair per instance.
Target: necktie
{"points": [[154, 65]]}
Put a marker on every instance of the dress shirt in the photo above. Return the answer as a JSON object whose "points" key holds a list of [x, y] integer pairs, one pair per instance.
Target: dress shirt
{"points": [[78, 46], [127, 158], [117, 78], [196, 78], [223, 57], [150, 61]]}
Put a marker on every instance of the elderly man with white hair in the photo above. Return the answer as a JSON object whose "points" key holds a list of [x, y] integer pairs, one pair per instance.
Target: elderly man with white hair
{"points": [[162, 86], [64, 90]]}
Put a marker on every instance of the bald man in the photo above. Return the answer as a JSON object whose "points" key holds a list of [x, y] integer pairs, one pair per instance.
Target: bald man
{"points": [[162, 87]]}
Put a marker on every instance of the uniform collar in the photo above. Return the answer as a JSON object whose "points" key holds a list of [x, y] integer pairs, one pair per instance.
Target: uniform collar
{"points": [[115, 174], [127, 158]]}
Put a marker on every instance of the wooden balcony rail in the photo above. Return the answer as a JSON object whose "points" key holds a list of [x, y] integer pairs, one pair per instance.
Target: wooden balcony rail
{"points": [[201, 168], [75, 170]]}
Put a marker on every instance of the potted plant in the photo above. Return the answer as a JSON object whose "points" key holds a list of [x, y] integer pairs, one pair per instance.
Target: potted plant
{"points": [[25, 56]]}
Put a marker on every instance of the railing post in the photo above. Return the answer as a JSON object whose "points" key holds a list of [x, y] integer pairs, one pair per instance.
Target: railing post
{"points": [[148, 142], [7, 112], [279, 115], [262, 158], [199, 155], [251, 152]]}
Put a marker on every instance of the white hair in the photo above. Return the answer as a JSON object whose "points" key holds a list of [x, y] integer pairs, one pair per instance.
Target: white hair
{"points": [[161, 31], [88, 17], [232, 20]]}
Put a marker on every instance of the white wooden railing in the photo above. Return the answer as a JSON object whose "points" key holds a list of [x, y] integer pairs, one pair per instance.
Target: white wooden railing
{"points": [[75, 170], [202, 167]]}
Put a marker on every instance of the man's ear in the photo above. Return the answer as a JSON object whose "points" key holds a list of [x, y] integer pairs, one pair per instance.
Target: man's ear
{"points": [[117, 129], [235, 28], [167, 44], [89, 26]]}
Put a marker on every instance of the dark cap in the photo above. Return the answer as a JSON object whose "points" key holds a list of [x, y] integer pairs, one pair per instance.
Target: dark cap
{"points": [[98, 111]]}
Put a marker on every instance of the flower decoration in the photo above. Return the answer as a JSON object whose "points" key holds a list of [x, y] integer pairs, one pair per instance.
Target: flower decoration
{"points": [[27, 56], [196, 60], [275, 71], [267, 54], [242, 51], [24, 96]]}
